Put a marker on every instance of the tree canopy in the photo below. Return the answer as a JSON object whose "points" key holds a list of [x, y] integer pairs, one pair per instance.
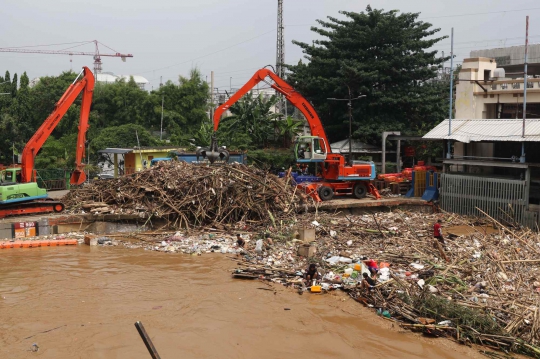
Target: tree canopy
{"points": [[381, 54], [118, 110]]}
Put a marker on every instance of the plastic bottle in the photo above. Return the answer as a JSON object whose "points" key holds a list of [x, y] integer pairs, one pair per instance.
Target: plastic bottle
{"points": [[348, 271]]}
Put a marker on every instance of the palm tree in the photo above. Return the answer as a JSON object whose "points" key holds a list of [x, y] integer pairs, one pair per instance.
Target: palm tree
{"points": [[253, 116], [288, 129]]}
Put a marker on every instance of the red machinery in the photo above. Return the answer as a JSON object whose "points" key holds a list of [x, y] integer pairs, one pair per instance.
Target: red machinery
{"points": [[338, 177], [85, 85], [19, 192]]}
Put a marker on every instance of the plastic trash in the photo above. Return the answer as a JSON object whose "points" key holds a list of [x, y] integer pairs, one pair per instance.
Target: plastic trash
{"points": [[432, 289], [336, 259], [445, 322], [349, 243], [386, 314], [333, 233], [258, 246], [421, 283], [384, 274], [417, 266], [349, 271]]}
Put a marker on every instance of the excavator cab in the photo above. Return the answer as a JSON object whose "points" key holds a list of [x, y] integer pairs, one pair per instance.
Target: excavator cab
{"points": [[310, 149]]}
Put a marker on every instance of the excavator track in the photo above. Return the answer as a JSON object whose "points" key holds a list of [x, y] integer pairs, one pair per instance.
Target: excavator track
{"points": [[33, 207]]}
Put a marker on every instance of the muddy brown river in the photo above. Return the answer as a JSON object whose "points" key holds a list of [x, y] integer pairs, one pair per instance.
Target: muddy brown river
{"points": [[82, 302]]}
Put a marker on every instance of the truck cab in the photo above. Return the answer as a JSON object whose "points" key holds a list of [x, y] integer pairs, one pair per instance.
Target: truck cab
{"points": [[310, 149], [11, 175]]}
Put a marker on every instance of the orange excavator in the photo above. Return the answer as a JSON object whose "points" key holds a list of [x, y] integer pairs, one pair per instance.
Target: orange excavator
{"points": [[336, 176], [19, 192]]}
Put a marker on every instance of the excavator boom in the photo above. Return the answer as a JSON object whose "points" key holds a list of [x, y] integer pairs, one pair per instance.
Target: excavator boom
{"points": [[85, 85], [290, 94]]}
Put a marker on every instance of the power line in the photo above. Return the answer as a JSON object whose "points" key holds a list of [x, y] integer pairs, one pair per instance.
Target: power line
{"points": [[209, 54], [445, 16], [481, 13], [485, 40]]}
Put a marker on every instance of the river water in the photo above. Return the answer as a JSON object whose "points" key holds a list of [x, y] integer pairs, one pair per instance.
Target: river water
{"points": [[82, 302]]}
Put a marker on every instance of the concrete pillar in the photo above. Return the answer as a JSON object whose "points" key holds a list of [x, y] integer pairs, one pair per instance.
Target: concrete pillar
{"points": [[398, 155], [115, 165], [384, 136]]}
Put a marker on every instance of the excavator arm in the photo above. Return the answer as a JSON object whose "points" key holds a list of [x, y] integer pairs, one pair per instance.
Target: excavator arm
{"points": [[84, 85], [290, 94]]}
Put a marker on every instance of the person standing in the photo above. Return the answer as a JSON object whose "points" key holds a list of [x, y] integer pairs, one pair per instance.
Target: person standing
{"points": [[439, 240], [437, 231]]}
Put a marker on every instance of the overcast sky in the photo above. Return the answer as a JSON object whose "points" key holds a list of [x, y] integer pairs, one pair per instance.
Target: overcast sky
{"points": [[231, 37]]}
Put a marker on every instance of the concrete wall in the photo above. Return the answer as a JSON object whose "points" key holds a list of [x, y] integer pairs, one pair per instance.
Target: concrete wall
{"points": [[468, 105], [513, 55]]}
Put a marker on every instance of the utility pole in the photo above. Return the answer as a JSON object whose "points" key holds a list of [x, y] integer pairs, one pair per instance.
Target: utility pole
{"points": [[280, 57], [349, 103], [161, 132], [522, 158], [449, 154], [211, 96]]}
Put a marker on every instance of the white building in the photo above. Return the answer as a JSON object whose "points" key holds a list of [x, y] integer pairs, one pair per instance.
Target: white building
{"points": [[109, 77]]}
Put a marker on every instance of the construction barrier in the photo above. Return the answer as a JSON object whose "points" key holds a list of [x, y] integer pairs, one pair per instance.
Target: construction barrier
{"points": [[35, 244]]}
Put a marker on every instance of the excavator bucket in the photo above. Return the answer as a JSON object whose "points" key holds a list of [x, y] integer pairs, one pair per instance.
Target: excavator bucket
{"points": [[77, 178], [311, 189]]}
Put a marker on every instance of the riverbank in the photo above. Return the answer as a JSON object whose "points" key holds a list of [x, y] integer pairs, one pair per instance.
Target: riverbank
{"points": [[480, 287]]}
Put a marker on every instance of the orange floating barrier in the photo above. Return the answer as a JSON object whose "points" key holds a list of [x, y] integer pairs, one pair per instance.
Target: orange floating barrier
{"points": [[40, 243]]}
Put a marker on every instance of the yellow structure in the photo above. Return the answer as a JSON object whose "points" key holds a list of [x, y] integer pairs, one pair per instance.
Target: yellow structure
{"points": [[136, 159]]}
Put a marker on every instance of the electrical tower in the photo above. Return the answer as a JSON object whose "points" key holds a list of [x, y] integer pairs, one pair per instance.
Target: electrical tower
{"points": [[96, 54], [280, 57]]}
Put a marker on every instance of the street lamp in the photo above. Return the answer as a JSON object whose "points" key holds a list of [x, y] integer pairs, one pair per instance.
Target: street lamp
{"points": [[349, 100]]}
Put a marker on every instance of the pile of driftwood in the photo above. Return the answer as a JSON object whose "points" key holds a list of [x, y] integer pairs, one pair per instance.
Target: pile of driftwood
{"points": [[190, 195], [482, 286]]}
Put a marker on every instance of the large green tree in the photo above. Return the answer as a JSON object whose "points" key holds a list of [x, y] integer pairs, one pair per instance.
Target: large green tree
{"points": [[384, 55], [185, 105]]}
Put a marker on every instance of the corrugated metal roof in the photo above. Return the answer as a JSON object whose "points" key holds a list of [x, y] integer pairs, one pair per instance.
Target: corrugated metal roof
{"points": [[473, 130], [357, 146]]}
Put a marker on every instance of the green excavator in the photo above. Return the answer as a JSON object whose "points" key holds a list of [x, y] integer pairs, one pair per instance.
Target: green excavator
{"points": [[19, 191]]}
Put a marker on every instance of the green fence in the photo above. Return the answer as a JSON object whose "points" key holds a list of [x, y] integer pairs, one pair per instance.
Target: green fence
{"points": [[53, 179]]}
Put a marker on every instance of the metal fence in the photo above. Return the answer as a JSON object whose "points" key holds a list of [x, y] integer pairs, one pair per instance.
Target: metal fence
{"points": [[503, 199], [52, 179]]}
